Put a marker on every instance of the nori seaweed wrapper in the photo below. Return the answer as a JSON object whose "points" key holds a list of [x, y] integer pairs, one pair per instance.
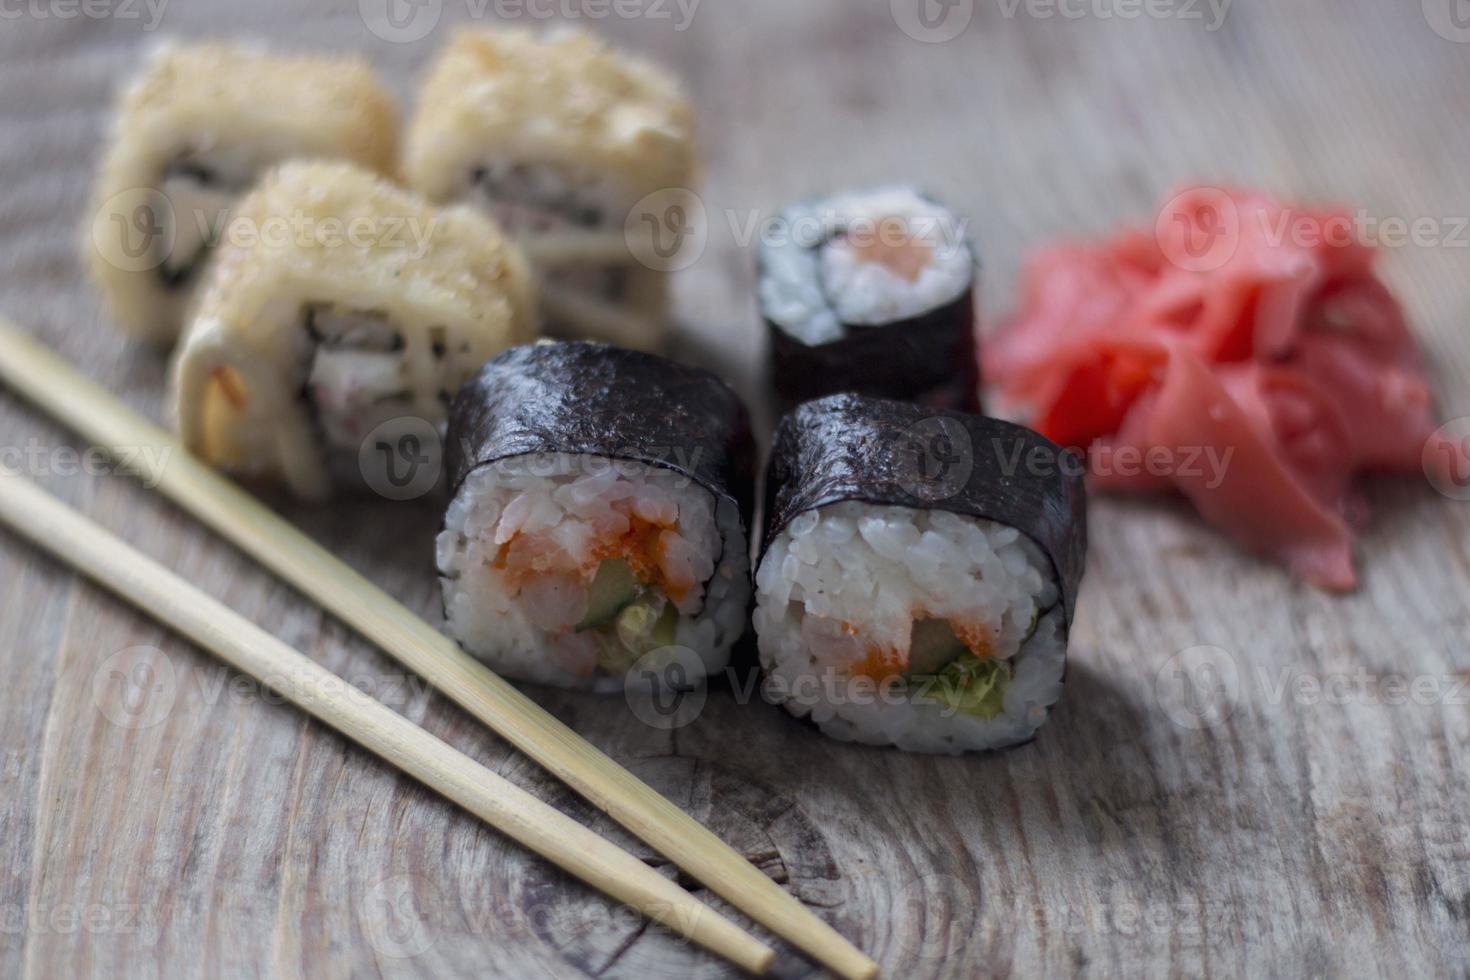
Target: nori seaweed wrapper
{"points": [[930, 358], [847, 447], [600, 400]]}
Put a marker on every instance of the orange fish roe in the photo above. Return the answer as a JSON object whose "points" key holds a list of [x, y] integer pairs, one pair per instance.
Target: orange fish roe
{"points": [[881, 662], [642, 546], [525, 555], [980, 639]]}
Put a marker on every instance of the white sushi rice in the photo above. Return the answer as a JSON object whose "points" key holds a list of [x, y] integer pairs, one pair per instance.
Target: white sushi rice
{"points": [[538, 198], [843, 579], [201, 190], [533, 200], [818, 278], [359, 382], [571, 502]]}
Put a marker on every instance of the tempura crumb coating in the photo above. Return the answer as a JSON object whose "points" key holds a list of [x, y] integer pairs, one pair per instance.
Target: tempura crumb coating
{"points": [[567, 98], [446, 278], [193, 99], [589, 132]]}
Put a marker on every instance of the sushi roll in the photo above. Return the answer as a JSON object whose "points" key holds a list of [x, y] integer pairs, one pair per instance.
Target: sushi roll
{"points": [[340, 307], [870, 292], [559, 137], [191, 134], [919, 573], [600, 503]]}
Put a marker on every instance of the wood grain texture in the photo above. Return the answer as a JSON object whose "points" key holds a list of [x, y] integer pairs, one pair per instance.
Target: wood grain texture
{"points": [[117, 567], [179, 823]]}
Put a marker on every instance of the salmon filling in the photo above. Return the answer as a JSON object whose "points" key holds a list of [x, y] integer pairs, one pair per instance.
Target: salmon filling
{"points": [[568, 569], [894, 247]]}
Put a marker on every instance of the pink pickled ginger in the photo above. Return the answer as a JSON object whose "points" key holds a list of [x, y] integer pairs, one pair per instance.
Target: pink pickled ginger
{"points": [[1241, 352]]}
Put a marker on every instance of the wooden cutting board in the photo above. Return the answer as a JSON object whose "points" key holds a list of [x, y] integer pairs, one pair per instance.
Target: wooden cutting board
{"points": [[1273, 805]]}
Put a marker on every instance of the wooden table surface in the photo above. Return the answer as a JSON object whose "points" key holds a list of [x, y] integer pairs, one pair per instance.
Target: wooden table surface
{"points": [[1289, 812]]}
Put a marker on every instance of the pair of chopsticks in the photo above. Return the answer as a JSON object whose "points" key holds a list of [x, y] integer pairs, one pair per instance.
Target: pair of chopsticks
{"points": [[49, 382], [240, 643]]}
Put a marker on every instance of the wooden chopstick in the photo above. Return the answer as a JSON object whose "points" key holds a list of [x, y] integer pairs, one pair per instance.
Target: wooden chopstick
{"points": [[55, 386], [597, 317], [63, 532]]}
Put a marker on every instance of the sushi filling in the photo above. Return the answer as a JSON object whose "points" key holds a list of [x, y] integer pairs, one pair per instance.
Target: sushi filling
{"points": [[530, 199], [360, 380], [955, 621], [567, 569], [629, 615], [200, 189], [862, 260]]}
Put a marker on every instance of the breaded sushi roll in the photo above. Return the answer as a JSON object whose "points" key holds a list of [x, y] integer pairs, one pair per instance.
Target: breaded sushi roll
{"points": [[191, 135], [601, 498], [919, 573], [870, 292], [559, 137], [340, 306]]}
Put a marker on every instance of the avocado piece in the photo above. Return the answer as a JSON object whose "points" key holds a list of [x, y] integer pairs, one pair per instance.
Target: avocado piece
{"points": [[640, 630], [932, 644], [635, 631], [613, 589], [633, 626], [614, 658], [666, 630]]}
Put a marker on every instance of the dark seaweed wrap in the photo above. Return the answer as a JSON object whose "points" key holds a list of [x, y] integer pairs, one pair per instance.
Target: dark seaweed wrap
{"points": [[600, 400], [929, 359], [847, 447]]}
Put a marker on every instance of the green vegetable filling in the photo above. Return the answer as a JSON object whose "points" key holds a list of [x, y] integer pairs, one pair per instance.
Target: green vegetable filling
{"points": [[613, 589], [628, 618], [947, 671]]}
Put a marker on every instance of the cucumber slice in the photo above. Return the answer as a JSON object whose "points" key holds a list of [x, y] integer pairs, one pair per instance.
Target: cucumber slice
{"points": [[666, 630], [932, 644], [614, 588]]}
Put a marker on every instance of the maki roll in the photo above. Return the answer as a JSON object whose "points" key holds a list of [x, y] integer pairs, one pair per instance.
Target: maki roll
{"points": [[600, 503], [559, 137], [343, 307], [870, 292], [919, 574], [191, 135]]}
